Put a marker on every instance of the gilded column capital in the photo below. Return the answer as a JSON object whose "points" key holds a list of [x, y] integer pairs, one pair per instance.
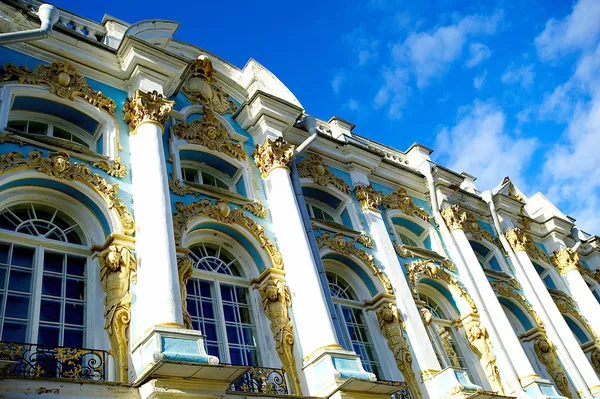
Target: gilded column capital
{"points": [[566, 260], [520, 241], [273, 154], [399, 199], [369, 198], [147, 107], [457, 218]]}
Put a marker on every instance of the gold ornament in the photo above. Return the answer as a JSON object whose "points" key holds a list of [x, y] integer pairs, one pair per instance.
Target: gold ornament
{"points": [[369, 198], [185, 267], [273, 154], [505, 289], [400, 199], [546, 353], [457, 218], [116, 168], [63, 81], [519, 240], [365, 240], [146, 107], [479, 342], [199, 86], [313, 166], [117, 271], [257, 209], [566, 260], [210, 133]]}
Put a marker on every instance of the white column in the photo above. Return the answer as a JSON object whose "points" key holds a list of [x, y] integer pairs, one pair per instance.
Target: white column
{"points": [[157, 296], [586, 301]]}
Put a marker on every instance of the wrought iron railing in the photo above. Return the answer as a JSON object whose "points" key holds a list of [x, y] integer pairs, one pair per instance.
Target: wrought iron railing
{"points": [[261, 380], [33, 360]]}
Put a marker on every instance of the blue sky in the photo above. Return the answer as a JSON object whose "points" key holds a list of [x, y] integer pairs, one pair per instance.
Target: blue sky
{"points": [[496, 88]]}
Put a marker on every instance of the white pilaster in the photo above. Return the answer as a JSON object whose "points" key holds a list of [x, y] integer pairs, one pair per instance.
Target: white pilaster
{"points": [[581, 293]]}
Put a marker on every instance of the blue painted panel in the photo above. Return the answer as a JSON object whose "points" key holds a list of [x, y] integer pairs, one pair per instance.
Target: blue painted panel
{"points": [[579, 333], [487, 227], [408, 224], [45, 106], [346, 219], [209, 159], [444, 291], [331, 200], [479, 248], [356, 269], [427, 242], [421, 203], [543, 248], [517, 312], [539, 269], [382, 188], [240, 187], [495, 265]]}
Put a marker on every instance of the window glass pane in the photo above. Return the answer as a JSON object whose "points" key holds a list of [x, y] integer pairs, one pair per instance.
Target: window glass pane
{"points": [[190, 175], [359, 338], [73, 338], [60, 133], [200, 306], [4, 248], [76, 266], [14, 331], [407, 240], [17, 306], [18, 125], [50, 311], [208, 179], [74, 313], [37, 128], [22, 256], [52, 285], [20, 280], [48, 335]]}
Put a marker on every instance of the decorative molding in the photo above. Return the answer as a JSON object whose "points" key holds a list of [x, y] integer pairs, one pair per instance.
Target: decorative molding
{"points": [[595, 275], [392, 326], [313, 166], [399, 199], [52, 143], [519, 240], [116, 168], [146, 107], [210, 133], [567, 306], [185, 267], [276, 300], [117, 271], [199, 86], [338, 244], [565, 260], [221, 212], [407, 251], [58, 165], [480, 344], [369, 198], [273, 154], [365, 239], [457, 218], [546, 353], [505, 289], [63, 80]]}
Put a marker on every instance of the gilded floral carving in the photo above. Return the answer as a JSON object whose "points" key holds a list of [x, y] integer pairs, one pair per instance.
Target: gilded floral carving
{"points": [[257, 209], [479, 341], [313, 167], [457, 218], [369, 198], [59, 165], [210, 133], [146, 107], [399, 199], [566, 260], [63, 80], [391, 326], [365, 239], [116, 168], [200, 86], [117, 271], [185, 267], [519, 240], [546, 353], [505, 289], [273, 154], [338, 244]]}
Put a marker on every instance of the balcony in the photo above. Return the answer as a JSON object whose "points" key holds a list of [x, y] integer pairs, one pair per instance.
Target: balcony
{"points": [[261, 380], [31, 360]]}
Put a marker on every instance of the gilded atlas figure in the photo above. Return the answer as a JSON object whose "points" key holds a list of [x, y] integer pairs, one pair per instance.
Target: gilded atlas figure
{"points": [[391, 328], [480, 343], [276, 300], [547, 354], [185, 267], [117, 271]]}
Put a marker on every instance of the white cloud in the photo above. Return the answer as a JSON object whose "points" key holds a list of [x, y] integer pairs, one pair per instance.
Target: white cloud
{"points": [[522, 75], [352, 104], [478, 52], [337, 81], [480, 145], [395, 91], [578, 31], [478, 80], [365, 47]]}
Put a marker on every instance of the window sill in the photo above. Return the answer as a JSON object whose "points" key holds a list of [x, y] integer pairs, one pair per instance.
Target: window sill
{"points": [[498, 275], [183, 187], [333, 227]]}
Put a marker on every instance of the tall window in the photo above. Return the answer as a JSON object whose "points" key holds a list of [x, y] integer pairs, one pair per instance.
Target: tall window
{"points": [[546, 276], [485, 256], [219, 304], [321, 212], [354, 331], [42, 284]]}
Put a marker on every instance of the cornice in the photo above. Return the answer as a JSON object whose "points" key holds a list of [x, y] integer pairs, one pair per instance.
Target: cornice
{"points": [[264, 104]]}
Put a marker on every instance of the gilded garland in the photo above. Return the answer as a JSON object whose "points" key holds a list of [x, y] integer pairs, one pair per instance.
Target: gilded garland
{"points": [[399, 199], [199, 86], [63, 81], [313, 167], [369, 198], [116, 168], [59, 165], [457, 218], [519, 240], [146, 107], [273, 154]]}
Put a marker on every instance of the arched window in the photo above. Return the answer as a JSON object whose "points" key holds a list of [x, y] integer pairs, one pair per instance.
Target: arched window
{"points": [[323, 206], [42, 276], [218, 301], [320, 211], [546, 276], [594, 289], [201, 173], [354, 332], [486, 257], [411, 234]]}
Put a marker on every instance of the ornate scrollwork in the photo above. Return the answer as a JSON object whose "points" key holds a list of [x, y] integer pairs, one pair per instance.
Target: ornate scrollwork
{"points": [[185, 267], [117, 271], [546, 353], [566, 260], [399, 199], [505, 289], [220, 211], [59, 165], [479, 341], [210, 133], [273, 154], [116, 168], [338, 244], [199, 86], [144, 107], [519, 240], [567, 306], [276, 300], [391, 326], [63, 80], [369, 198], [313, 166], [457, 218], [365, 240], [257, 209]]}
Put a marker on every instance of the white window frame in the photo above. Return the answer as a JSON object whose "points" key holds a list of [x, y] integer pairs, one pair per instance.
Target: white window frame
{"points": [[336, 215], [199, 167]]}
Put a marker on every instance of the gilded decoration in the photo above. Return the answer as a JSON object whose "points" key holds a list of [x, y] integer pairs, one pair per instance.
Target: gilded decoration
{"points": [[46, 142], [595, 275], [365, 239], [505, 289], [185, 267], [145, 107], [567, 306], [391, 326], [200, 86], [480, 344], [273, 154], [117, 271], [313, 167], [519, 240], [369, 198], [399, 199], [210, 133], [457, 218], [566, 260], [276, 300], [63, 81], [546, 353], [59, 165], [406, 251], [116, 168], [221, 212], [338, 244]]}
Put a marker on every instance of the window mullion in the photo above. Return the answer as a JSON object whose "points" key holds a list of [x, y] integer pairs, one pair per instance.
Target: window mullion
{"points": [[50, 130], [222, 327], [36, 294]]}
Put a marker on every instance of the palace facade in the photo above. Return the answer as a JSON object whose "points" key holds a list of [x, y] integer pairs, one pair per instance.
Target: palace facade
{"points": [[172, 226]]}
